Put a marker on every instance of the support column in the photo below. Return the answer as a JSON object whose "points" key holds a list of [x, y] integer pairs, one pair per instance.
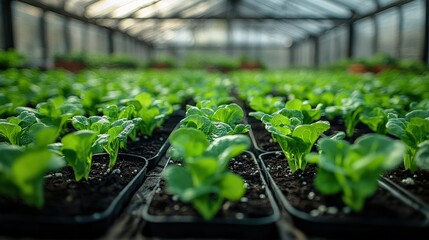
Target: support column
{"points": [[44, 40], [426, 34], [232, 4], [400, 32], [66, 32], [315, 40], [85, 38], [6, 14], [350, 43], [376, 35], [292, 55], [110, 42]]}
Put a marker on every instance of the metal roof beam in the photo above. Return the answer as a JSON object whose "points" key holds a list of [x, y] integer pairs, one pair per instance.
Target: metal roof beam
{"points": [[250, 6], [279, 18], [72, 15], [380, 9], [358, 17]]}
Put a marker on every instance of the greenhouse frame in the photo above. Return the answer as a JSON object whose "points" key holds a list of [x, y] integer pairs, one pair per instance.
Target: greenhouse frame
{"points": [[282, 33], [214, 119]]}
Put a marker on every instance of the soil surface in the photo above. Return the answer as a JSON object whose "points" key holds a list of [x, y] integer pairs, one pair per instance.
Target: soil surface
{"points": [[145, 146], [338, 125], [417, 183], [254, 204], [300, 192], [149, 146], [66, 197], [263, 138]]}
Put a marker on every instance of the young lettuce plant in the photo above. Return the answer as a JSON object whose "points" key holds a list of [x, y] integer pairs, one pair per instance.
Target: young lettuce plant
{"points": [[354, 169], [376, 118], [21, 130], [350, 109], [295, 139], [56, 112], [6, 106], [216, 121], [115, 112], [152, 112], [205, 180], [110, 135], [231, 115], [265, 105], [422, 156], [115, 138], [99, 124], [310, 115], [413, 130], [77, 148], [22, 169]]}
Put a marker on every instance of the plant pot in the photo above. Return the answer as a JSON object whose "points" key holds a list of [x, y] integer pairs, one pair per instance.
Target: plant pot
{"points": [[154, 147], [262, 140], [250, 66], [71, 66], [387, 214], [233, 221], [357, 68], [381, 68], [415, 186], [76, 209]]}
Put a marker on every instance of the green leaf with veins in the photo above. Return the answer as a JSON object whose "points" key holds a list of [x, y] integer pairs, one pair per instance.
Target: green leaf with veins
{"points": [[354, 169]]}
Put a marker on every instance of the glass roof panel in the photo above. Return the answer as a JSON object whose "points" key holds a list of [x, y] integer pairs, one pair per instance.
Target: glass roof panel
{"points": [[291, 29], [212, 33], [142, 26], [300, 7], [78, 6], [129, 9], [185, 5], [263, 20], [212, 7], [127, 23], [113, 23], [361, 7], [182, 37], [386, 2], [104, 7], [164, 7], [145, 12], [326, 7], [53, 2]]}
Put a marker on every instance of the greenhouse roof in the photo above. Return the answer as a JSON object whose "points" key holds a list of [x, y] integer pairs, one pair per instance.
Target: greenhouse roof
{"points": [[217, 22]]}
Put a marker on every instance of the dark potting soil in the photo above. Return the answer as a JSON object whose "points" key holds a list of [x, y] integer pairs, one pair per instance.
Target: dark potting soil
{"points": [[337, 125], [254, 204], [300, 192], [263, 138], [149, 146], [66, 197], [417, 183]]}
